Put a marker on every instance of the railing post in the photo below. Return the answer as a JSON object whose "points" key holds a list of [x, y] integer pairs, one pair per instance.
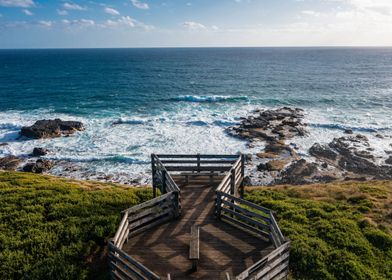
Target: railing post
{"points": [[232, 182], [242, 175], [198, 163], [164, 183], [153, 168]]}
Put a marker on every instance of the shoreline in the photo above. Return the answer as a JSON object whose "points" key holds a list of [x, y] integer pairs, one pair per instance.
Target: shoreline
{"points": [[275, 151]]}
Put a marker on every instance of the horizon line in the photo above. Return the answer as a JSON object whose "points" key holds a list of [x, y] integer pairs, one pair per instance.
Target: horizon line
{"points": [[200, 47]]}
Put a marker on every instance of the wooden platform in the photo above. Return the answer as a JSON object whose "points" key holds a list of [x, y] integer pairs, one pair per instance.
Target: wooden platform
{"points": [[223, 248]]}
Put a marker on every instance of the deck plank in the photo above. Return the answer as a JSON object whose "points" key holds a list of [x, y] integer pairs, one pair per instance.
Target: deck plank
{"points": [[223, 248]]}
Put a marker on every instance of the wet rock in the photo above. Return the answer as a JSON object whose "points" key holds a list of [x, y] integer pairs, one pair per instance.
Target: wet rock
{"points": [[3, 144], [380, 136], [298, 172], [9, 163], [267, 155], [389, 160], [276, 165], [51, 129], [40, 166], [322, 151], [364, 154], [37, 152], [271, 125], [348, 131]]}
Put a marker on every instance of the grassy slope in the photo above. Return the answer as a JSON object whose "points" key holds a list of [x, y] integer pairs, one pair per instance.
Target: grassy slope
{"points": [[338, 230], [53, 228]]}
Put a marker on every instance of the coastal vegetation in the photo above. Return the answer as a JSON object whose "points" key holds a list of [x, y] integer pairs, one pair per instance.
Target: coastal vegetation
{"points": [[56, 228], [341, 230]]}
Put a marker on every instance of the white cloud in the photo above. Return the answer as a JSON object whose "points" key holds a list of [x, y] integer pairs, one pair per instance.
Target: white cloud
{"points": [[62, 12], [215, 28], [310, 13], [73, 6], [129, 22], [140, 5], [111, 11], [17, 3], [79, 22], [45, 23], [192, 25], [27, 12]]}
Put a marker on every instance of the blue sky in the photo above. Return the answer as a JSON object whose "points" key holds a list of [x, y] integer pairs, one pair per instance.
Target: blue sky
{"points": [[175, 23]]}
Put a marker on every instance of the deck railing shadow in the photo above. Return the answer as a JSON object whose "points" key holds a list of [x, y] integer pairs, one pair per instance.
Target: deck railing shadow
{"points": [[229, 207]]}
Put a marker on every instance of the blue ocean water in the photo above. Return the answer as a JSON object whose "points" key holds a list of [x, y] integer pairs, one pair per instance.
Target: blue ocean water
{"points": [[138, 101]]}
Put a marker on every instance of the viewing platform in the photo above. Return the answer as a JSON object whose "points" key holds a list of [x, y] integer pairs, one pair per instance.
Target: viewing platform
{"points": [[198, 227]]}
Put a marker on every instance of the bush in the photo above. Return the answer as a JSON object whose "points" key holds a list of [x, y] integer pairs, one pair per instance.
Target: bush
{"points": [[52, 228], [332, 237]]}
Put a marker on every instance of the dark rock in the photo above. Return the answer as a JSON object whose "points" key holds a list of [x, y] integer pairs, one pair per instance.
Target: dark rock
{"points": [[51, 128], [364, 154], [324, 165], [40, 166], [380, 136], [348, 131], [37, 152], [9, 163], [322, 151], [389, 160], [296, 172], [324, 179], [3, 144], [262, 167]]}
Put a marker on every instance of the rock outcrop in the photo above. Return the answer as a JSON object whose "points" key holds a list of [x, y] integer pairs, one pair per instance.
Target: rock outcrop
{"points": [[51, 129], [40, 166], [37, 152], [9, 163]]}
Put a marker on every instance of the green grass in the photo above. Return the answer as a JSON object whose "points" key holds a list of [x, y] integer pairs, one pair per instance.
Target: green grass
{"points": [[53, 228], [338, 230]]}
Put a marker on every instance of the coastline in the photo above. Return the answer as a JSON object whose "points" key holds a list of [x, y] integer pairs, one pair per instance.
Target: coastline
{"points": [[272, 140]]}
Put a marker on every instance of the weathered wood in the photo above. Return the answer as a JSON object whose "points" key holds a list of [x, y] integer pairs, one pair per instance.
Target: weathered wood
{"points": [[126, 269], [263, 261], [146, 220], [132, 261], [247, 212], [151, 225], [187, 161], [147, 204], [276, 228], [198, 169], [247, 220], [195, 156], [243, 226], [271, 265], [194, 246], [245, 202], [120, 228]]}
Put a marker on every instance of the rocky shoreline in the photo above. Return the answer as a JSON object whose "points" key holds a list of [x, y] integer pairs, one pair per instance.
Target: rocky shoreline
{"points": [[345, 158], [271, 132]]}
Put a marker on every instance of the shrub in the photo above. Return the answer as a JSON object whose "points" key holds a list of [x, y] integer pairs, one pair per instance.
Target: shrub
{"points": [[52, 228]]}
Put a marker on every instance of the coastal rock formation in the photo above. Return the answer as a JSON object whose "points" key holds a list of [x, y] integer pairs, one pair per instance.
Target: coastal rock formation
{"points": [[299, 172], [351, 154], [9, 163], [37, 152], [51, 128], [271, 125], [40, 166]]}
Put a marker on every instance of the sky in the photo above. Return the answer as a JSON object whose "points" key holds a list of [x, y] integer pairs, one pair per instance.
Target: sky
{"points": [[194, 23]]}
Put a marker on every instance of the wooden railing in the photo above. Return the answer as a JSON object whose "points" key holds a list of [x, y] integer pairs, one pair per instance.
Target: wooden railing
{"points": [[229, 208], [273, 266], [134, 221], [259, 221], [234, 178], [248, 216]]}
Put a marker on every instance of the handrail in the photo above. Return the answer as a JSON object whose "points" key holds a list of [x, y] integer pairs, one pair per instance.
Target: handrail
{"points": [[230, 208]]}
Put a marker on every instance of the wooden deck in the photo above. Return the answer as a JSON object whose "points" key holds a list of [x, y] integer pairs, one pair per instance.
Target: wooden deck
{"points": [[223, 248]]}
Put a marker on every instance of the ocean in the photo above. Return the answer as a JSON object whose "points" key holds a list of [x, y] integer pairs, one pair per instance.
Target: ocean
{"points": [[135, 102]]}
